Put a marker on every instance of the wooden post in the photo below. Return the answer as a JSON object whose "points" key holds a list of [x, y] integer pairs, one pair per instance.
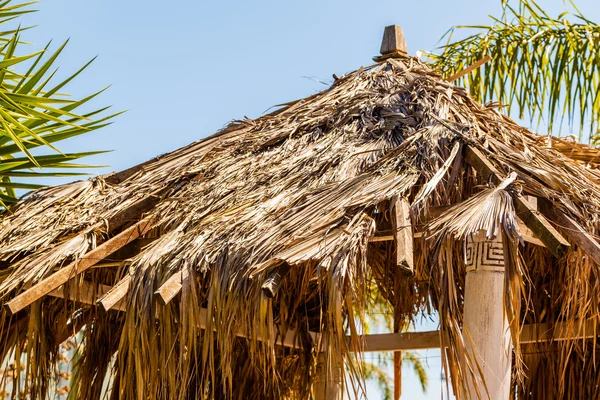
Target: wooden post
{"points": [[485, 327], [397, 374], [328, 386]]}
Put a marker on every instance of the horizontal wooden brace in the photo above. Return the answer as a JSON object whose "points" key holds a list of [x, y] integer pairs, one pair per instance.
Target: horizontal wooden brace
{"points": [[532, 333], [83, 292]]}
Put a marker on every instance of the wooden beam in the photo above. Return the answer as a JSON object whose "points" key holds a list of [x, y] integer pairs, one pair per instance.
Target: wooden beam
{"points": [[403, 234], [168, 290], [400, 341], [572, 229], [560, 331], [90, 259], [133, 212], [113, 299], [531, 333], [272, 284], [85, 292], [532, 218]]}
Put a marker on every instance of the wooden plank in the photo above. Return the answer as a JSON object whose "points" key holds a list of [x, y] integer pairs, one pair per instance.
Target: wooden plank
{"points": [[531, 333], [573, 230], [168, 290], [579, 330], [90, 259], [403, 234], [116, 295], [470, 68], [133, 212], [532, 218], [272, 284], [393, 40], [401, 341]]}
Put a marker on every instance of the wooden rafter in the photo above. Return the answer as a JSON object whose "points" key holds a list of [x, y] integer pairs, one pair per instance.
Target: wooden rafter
{"points": [[168, 290], [403, 233], [573, 230], [63, 275], [113, 298], [533, 219]]}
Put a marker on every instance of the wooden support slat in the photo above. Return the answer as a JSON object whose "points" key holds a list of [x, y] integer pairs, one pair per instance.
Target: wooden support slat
{"points": [[113, 299], [531, 333], [133, 212], [168, 290], [560, 331], [401, 341], [573, 230], [90, 259], [532, 218], [272, 284], [84, 292], [403, 233]]}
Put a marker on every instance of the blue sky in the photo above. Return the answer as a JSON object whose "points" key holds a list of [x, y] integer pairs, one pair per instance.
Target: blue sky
{"points": [[185, 68]]}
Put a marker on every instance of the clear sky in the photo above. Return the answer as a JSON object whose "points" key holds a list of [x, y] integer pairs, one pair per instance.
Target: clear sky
{"points": [[185, 68]]}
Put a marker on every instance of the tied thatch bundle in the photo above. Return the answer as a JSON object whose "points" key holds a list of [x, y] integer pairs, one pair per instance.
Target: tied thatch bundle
{"points": [[306, 187]]}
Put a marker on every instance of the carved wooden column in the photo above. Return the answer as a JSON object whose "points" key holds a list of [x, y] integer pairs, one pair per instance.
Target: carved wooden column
{"points": [[485, 326]]}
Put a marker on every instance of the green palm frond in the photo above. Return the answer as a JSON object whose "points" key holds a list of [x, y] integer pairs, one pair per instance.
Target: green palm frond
{"points": [[541, 67], [33, 113]]}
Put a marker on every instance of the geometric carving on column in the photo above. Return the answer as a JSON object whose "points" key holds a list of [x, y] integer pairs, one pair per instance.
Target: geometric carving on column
{"points": [[483, 254]]}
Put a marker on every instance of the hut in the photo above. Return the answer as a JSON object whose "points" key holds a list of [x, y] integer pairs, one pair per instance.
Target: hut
{"points": [[241, 266]]}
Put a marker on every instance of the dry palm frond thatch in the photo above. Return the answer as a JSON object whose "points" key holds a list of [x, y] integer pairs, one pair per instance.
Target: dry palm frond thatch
{"points": [[305, 187]]}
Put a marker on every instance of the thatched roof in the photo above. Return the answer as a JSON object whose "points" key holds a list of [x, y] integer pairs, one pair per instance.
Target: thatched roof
{"points": [[306, 187]]}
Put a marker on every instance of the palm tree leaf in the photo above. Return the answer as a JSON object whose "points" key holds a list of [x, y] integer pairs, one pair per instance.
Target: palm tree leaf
{"points": [[543, 68]]}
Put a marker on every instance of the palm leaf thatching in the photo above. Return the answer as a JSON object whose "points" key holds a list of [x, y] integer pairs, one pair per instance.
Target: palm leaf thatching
{"points": [[305, 190]]}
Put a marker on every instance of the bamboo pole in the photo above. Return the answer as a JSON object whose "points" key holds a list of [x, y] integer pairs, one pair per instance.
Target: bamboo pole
{"points": [[485, 326]]}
